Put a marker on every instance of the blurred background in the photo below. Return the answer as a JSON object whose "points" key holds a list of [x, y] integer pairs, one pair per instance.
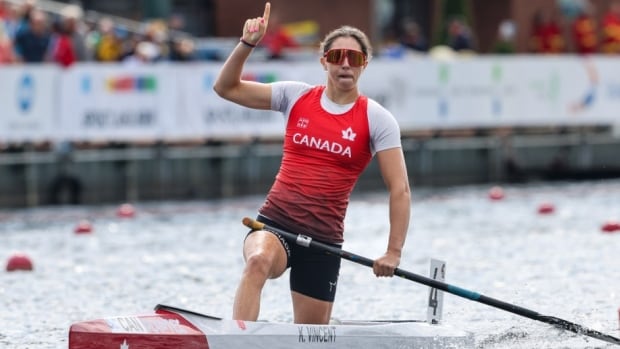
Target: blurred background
{"points": [[111, 101]]}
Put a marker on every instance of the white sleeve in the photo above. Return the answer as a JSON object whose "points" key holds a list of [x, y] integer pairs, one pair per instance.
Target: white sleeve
{"points": [[384, 130], [284, 94]]}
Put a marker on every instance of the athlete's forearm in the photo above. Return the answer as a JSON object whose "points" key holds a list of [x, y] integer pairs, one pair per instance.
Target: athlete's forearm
{"points": [[400, 211], [229, 76]]}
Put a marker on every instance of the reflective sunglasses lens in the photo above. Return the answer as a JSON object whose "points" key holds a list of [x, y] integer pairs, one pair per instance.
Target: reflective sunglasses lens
{"points": [[355, 58], [335, 56]]}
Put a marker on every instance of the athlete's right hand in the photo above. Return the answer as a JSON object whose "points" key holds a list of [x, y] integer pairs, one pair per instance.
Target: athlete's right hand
{"points": [[254, 28]]}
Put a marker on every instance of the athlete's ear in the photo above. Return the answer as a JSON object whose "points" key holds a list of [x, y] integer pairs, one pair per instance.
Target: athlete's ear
{"points": [[322, 60]]}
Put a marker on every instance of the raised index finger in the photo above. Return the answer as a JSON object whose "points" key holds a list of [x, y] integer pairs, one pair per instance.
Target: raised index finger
{"points": [[267, 11]]}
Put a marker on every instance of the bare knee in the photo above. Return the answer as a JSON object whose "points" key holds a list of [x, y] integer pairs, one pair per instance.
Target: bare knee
{"points": [[265, 256], [259, 265]]}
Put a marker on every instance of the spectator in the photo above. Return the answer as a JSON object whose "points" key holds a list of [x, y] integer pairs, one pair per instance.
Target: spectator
{"points": [[11, 20], [24, 13], [145, 52], [156, 32], [611, 29], [32, 42], [459, 36], [546, 35], [71, 17], [6, 46], [107, 47], [129, 42], [61, 49], [180, 47], [276, 39], [3, 9], [504, 43], [182, 50], [584, 30], [67, 44], [411, 36]]}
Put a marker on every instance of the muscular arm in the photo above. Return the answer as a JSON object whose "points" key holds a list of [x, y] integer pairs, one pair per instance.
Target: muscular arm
{"points": [[228, 83], [394, 172]]}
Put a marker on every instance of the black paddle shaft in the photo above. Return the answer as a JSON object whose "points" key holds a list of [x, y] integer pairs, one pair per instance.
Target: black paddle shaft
{"points": [[455, 290]]}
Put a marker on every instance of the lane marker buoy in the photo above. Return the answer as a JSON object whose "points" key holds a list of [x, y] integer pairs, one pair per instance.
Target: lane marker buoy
{"points": [[496, 193], [19, 261], [546, 208], [83, 227], [126, 211], [611, 226]]}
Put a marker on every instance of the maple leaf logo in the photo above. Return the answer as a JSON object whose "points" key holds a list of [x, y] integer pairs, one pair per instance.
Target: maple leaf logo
{"points": [[348, 134], [303, 122]]}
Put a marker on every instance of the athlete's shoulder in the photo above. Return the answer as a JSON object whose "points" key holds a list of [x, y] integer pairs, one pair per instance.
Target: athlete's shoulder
{"points": [[285, 93], [292, 87], [376, 110]]}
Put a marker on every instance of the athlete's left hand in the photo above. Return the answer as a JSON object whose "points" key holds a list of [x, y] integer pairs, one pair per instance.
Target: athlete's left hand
{"points": [[386, 264]]}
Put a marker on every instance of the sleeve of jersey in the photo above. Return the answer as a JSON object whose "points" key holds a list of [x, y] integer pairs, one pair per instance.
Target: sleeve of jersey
{"points": [[384, 129], [284, 94]]}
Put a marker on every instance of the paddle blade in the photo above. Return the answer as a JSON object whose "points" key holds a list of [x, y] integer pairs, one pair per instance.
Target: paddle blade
{"points": [[253, 224]]}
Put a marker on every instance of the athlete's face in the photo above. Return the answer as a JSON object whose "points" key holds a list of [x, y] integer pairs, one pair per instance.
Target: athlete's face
{"points": [[344, 68]]}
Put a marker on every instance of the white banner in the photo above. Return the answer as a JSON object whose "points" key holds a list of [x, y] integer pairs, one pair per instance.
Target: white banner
{"points": [[28, 95], [118, 102], [168, 101], [204, 114], [491, 91]]}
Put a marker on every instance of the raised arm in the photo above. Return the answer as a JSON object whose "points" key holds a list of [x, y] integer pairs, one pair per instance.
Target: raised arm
{"points": [[228, 84]]}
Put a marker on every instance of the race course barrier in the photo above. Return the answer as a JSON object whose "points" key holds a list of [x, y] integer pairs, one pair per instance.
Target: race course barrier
{"points": [[95, 102]]}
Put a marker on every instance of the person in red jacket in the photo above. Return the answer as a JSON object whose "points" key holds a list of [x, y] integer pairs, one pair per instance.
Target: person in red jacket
{"points": [[546, 35], [6, 46], [332, 132], [611, 29], [585, 31], [61, 47]]}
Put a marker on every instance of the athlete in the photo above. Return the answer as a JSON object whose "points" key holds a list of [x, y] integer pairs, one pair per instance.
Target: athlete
{"points": [[332, 132]]}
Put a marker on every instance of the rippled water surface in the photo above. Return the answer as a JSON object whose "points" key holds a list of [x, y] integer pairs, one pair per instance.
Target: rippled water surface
{"points": [[188, 254]]}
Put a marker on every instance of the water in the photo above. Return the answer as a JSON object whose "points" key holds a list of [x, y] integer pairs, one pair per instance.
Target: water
{"points": [[188, 254]]}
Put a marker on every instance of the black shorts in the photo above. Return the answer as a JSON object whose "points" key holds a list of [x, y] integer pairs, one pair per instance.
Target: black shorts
{"points": [[313, 273]]}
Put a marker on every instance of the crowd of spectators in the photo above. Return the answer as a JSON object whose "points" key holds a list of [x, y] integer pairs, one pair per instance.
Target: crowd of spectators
{"points": [[580, 30], [583, 30], [30, 35]]}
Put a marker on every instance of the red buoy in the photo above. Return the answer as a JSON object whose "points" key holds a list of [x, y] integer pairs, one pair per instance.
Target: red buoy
{"points": [[126, 211], [496, 193], [83, 227], [546, 208], [19, 261], [611, 226]]}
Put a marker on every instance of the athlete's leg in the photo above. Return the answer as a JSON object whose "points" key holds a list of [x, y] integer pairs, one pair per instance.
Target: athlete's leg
{"points": [[313, 279], [265, 258], [308, 310]]}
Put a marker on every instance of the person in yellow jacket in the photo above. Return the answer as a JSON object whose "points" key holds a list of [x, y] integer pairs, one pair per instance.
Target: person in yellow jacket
{"points": [[611, 29]]}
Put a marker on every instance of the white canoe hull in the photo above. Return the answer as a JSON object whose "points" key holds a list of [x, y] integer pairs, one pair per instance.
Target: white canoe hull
{"points": [[170, 327]]}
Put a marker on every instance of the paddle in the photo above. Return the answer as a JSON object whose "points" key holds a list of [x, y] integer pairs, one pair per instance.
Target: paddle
{"points": [[306, 241]]}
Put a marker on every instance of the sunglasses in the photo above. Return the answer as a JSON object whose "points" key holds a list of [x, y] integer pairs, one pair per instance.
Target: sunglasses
{"points": [[337, 55]]}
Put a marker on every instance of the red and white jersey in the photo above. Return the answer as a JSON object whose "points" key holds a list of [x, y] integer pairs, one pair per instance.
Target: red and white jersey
{"points": [[326, 148]]}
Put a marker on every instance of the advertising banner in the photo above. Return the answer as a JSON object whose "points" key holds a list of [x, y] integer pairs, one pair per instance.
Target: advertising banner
{"points": [[117, 102], [28, 95]]}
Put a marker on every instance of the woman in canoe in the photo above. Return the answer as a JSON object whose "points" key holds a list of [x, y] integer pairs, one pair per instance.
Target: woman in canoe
{"points": [[332, 133]]}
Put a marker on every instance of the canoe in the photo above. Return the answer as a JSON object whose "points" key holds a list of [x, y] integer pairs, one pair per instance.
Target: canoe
{"points": [[170, 327]]}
